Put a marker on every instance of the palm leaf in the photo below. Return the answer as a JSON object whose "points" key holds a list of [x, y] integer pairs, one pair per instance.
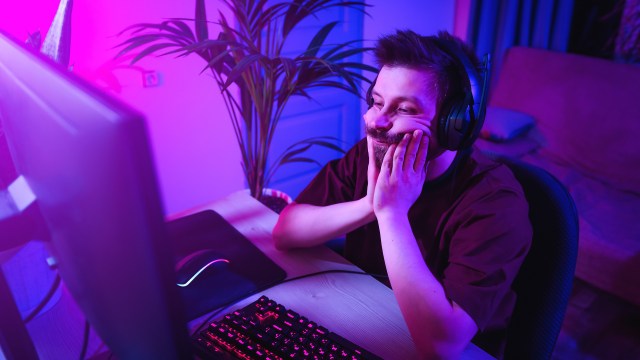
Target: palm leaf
{"points": [[319, 39], [150, 50], [143, 40], [179, 28], [344, 54], [291, 17], [357, 65], [241, 67], [202, 32], [263, 17], [300, 159], [287, 65], [135, 28], [333, 84], [217, 62], [291, 154], [337, 47]]}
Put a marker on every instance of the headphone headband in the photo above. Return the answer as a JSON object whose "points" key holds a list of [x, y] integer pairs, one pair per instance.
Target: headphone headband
{"points": [[469, 72]]}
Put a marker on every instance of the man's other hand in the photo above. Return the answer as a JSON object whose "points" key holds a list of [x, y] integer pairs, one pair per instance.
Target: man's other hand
{"points": [[403, 173]]}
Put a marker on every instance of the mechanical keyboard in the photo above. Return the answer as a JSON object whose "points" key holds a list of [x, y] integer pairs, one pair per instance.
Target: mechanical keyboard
{"points": [[265, 330]]}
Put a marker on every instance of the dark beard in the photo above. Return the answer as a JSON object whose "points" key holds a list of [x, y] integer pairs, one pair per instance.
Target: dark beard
{"points": [[380, 150]]}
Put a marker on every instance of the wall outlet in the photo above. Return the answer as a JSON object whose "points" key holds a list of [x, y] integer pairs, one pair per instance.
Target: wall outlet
{"points": [[151, 78]]}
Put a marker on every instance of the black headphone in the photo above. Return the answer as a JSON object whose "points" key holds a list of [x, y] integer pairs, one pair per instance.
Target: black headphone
{"points": [[460, 119]]}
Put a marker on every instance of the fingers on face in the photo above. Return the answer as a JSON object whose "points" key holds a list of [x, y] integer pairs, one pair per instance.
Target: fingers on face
{"points": [[412, 150], [421, 161], [409, 154], [370, 147], [401, 151], [387, 163]]}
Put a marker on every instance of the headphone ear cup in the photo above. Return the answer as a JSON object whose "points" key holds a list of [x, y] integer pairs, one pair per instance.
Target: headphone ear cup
{"points": [[443, 126], [454, 127], [461, 124]]}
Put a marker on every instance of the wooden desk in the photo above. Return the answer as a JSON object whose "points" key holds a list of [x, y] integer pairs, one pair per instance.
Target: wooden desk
{"points": [[357, 307]]}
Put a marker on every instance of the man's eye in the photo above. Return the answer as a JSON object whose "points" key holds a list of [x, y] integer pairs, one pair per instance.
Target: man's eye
{"points": [[378, 104], [405, 111]]}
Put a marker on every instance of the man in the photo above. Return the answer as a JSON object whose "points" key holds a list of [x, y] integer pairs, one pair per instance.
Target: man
{"points": [[449, 227]]}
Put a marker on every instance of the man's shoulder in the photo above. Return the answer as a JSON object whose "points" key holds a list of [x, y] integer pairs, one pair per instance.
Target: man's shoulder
{"points": [[491, 174], [360, 148], [357, 156]]}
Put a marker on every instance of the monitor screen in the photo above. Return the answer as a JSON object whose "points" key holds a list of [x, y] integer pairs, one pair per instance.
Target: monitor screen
{"points": [[87, 159]]}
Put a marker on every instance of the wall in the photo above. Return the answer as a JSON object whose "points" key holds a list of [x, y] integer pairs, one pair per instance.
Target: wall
{"points": [[425, 17], [197, 158]]}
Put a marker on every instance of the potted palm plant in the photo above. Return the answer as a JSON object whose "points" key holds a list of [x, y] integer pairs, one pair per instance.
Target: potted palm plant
{"points": [[254, 76]]}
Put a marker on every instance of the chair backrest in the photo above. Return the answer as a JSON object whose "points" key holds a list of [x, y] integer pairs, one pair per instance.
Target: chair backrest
{"points": [[544, 283]]}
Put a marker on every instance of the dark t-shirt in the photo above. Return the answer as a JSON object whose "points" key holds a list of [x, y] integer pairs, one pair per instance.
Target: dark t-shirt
{"points": [[471, 224]]}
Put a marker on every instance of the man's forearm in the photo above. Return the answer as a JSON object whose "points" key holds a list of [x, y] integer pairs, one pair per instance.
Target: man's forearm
{"points": [[439, 327], [302, 225]]}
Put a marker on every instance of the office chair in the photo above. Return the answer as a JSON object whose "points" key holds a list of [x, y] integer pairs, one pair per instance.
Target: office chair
{"points": [[544, 282]]}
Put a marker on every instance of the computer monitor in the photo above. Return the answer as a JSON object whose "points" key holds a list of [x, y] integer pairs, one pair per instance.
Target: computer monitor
{"points": [[87, 159]]}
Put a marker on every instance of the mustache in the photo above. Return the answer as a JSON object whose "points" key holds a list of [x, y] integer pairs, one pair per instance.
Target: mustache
{"points": [[384, 136]]}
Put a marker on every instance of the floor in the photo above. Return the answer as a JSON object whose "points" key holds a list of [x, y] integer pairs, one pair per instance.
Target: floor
{"points": [[598, 326]]}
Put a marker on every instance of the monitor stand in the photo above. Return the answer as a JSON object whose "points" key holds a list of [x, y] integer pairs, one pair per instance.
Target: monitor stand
{"points": [[15, 341]]}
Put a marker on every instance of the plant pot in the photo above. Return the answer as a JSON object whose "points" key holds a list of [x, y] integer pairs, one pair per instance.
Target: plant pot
{"points": [[275, 200]]}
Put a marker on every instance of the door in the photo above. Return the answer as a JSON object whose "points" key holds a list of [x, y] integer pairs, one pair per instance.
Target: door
{"points": [[332, 112]]}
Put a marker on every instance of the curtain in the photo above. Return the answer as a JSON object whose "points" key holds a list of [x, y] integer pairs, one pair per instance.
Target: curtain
{"points": [[496, 25], [628, 39]]}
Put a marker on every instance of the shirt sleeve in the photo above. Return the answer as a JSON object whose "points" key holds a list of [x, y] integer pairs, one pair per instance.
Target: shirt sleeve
{"points": [[338, 180], [489, 242]]}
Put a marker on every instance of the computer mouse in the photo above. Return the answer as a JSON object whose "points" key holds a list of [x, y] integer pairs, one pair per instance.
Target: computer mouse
{"points": [[199, 264]]}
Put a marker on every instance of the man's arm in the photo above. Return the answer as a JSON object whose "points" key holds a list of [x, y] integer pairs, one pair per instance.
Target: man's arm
{"points": [[303, 225], [438, 326]]}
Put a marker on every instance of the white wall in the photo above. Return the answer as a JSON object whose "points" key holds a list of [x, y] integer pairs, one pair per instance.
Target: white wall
{"points": [[197, 158]]}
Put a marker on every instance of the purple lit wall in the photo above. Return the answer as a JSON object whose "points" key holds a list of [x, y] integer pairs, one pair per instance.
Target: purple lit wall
{"points": [[197, 158], [196, 155]]}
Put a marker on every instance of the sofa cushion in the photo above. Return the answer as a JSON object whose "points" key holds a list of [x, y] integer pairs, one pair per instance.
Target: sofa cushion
{"points": [[502, 124], [513, 148], [609, 252], [609, 247], [587, 109]]}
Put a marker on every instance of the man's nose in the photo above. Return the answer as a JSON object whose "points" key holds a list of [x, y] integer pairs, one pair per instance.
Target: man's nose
{"points": [[381, 121]]}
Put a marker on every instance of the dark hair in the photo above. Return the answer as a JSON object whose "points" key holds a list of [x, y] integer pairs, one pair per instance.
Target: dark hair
{"points": [[407, 49]]}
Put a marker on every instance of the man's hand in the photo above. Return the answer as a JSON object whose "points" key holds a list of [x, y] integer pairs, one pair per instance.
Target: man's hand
{"points": [[403, 173], [372, 173]]}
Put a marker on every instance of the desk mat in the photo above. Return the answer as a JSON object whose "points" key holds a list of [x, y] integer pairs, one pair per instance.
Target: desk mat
{"points": [[249, 269]]}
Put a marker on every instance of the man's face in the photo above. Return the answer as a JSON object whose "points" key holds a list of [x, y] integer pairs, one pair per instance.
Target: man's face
{"points": [[404, 100]]}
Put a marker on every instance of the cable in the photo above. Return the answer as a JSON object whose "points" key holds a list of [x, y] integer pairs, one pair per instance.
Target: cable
{"points": [[45, 300], [52, 290], [85, 340], [333, 271]]}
